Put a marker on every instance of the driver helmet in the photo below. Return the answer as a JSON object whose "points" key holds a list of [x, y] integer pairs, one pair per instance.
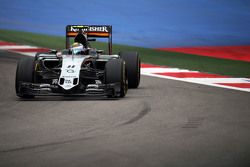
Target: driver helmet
{"points": [[77, 48]]}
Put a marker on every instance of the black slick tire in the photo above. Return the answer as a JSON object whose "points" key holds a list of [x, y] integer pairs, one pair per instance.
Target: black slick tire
{"points": [[24, 73], [133, 64], [115, 72]]}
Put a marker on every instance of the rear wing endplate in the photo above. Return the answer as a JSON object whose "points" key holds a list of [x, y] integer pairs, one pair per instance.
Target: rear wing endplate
{"points": [[93, 31]]}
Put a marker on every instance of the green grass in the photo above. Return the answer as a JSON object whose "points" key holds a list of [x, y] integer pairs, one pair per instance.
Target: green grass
{"points": [[171, 59]]}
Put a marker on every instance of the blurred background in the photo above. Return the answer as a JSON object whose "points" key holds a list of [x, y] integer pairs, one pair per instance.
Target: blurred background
{"points": [[151, 23]]}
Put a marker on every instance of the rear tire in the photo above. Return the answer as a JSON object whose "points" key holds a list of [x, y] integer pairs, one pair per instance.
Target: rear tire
{"points": [[115, 72], [24, 73], [133, 64]]}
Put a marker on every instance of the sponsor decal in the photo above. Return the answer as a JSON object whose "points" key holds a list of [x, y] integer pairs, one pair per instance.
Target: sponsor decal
{"points": [[70, 71], [76, 28], [54, 81], [65, 76], [99, 29], [67, 81], [89, 28], [71, 66]]}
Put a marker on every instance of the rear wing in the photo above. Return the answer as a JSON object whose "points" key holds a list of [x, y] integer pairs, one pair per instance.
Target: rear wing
{"points": [[93, 31]]}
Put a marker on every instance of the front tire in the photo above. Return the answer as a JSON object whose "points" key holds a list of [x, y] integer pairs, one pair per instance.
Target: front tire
{"points": [[133, 64], [115, 72], [24, 73]]}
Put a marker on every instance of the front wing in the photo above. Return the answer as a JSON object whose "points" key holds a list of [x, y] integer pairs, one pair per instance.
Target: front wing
{"points": [[37, 89]]}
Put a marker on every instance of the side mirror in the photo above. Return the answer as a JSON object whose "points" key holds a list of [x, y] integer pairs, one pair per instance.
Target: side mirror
{"points": [[52, 51], [91, 39], [99, 51]]}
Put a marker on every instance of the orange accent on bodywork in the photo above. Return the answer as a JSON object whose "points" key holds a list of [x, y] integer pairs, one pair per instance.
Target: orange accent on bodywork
{"points": [[102, 34]]}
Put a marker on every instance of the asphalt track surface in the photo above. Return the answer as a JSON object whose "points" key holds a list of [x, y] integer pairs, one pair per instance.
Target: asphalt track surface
{"points": [[162, 123]]}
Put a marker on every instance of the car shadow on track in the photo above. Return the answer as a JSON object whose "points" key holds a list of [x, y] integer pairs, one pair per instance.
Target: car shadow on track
{"points": [[68, 98]]}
